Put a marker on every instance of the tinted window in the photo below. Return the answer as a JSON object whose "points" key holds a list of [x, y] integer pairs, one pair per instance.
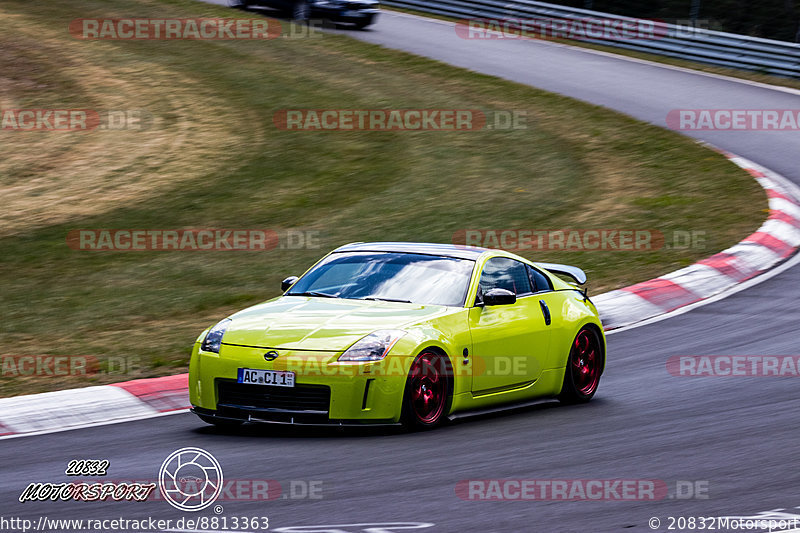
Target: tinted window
{"points": [[503, 273], [416, 278], [540, 281]]}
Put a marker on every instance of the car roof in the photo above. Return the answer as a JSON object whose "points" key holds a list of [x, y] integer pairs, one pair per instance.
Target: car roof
{"points": [[458, 251]]}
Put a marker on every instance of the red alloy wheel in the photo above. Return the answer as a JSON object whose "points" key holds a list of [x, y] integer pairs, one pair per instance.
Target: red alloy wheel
{"points": [[428, 387], [585, 362]]}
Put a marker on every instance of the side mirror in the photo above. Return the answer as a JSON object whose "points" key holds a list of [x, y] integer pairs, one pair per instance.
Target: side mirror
{"points": [[288, 282], [499, 297]]}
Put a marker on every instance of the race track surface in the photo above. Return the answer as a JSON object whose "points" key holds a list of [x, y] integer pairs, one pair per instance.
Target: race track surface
{"points": [[737, 436]]}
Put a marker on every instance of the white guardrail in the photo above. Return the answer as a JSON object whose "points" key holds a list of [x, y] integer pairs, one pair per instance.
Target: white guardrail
{"points": [[684, 42]]}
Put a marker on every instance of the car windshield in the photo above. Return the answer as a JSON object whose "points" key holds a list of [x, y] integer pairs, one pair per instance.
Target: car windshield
{"points": [[399, 277]]}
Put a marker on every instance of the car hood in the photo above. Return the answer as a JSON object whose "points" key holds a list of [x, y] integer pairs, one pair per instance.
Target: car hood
{"points": [[320, 324]]}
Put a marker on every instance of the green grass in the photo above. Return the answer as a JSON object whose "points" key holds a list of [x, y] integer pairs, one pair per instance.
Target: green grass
{"points": [[214, 159]]}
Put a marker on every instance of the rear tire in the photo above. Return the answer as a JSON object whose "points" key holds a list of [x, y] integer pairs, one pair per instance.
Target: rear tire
{"points": [[584, 367], [428, 392]]}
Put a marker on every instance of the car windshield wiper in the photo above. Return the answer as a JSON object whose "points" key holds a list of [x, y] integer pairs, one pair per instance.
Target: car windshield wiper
{"points": [[313, 293], [386, 299]]}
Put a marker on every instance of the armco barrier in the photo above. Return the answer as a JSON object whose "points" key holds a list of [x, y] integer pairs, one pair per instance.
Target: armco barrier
{"points": [[684, 42]]}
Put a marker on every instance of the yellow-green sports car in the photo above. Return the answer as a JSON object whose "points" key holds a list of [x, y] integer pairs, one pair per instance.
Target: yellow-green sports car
{"points": [[409, 333]]}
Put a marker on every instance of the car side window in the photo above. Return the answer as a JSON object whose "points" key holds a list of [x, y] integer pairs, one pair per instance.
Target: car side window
{"points": [[504, 273], [539, 281]]}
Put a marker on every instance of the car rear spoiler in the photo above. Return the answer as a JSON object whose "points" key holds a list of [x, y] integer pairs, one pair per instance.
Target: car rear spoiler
{"points": [[565, 270]]}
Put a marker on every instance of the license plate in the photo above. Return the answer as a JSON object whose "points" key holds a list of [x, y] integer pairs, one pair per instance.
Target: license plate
{"points": [[275, 378], [354, 14]]}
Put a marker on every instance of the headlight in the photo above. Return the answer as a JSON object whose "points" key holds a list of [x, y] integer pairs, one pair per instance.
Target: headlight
{"points": [[213, 338], [373, 347]]}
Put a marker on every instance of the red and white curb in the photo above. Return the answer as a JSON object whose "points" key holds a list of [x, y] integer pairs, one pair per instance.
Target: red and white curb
{"points": [[93, 406], [776, 240], [712, 278]]}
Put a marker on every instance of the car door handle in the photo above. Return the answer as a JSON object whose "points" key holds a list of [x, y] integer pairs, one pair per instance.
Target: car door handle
{"points": [[545, 312]]}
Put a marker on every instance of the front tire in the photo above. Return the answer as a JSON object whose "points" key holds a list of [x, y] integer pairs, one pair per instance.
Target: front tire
{"points": [[584, 367], [428, 392]]}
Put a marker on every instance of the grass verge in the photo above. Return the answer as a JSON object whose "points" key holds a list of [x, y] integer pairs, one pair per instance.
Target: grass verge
{"points": [[213, 159]]}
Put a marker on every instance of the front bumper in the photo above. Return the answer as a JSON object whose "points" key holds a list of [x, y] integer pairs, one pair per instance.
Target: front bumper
{"points": [[325, 392], [290, 418]]}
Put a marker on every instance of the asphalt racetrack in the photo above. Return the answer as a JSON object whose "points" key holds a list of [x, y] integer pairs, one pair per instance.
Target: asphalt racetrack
{"points": [[733, 439]]}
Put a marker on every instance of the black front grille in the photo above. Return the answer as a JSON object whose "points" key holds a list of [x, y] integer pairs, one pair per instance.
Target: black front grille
{"points": [[297, 398]]}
